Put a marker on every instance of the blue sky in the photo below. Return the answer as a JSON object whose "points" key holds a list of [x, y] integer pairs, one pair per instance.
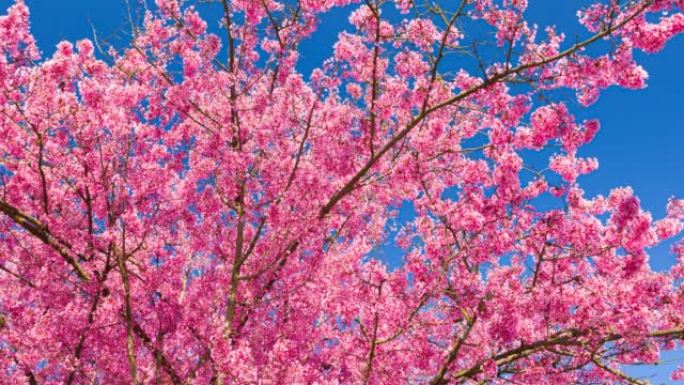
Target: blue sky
{"points": [[640, 142]]}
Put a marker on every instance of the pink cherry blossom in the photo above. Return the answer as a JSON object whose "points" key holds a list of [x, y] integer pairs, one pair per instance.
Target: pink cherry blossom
{"points": [[190, 208]]}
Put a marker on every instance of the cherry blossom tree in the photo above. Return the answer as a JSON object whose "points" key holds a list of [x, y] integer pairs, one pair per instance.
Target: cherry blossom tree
{"points": [[191, 209]]}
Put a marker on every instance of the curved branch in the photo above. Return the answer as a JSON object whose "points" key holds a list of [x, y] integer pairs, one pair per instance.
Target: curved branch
{"points": [[41, 232], [563, 338]]}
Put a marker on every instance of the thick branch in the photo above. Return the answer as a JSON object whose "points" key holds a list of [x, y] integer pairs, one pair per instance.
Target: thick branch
{"points": [[128, 316], [41, 232], [617, 373], [567, 337], [371, 352], [453, 353], [163, 361]]}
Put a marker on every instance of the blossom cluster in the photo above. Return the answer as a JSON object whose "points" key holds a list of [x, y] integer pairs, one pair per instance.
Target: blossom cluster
{"points": [[191, 209]]}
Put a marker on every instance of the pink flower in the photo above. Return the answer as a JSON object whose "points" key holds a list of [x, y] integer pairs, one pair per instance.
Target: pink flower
{"points": [[422, 32]]}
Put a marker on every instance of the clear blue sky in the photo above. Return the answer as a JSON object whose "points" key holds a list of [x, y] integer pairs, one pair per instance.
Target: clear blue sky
{"points": [[642, 132]]}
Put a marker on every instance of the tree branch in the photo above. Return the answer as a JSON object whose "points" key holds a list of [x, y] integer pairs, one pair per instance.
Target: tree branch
{"points": [[41, 232], [350, 185]]}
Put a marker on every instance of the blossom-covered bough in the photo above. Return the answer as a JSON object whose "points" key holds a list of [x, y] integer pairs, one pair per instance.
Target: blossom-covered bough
{"points": [[190, 209]]}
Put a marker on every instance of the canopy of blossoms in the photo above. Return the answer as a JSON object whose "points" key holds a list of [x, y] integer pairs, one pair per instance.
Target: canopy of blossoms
{"points": [[191, 209]]}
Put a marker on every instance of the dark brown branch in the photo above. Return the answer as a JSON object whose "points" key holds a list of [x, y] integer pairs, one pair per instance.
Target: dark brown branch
{"points": [[617, 373], [231, 66], [128, 315], [41, 232], [300, 151], [18, 276], [564, 338], [374, 82], [453, 353], [163, 361], [91, 317], [368, 370]]}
